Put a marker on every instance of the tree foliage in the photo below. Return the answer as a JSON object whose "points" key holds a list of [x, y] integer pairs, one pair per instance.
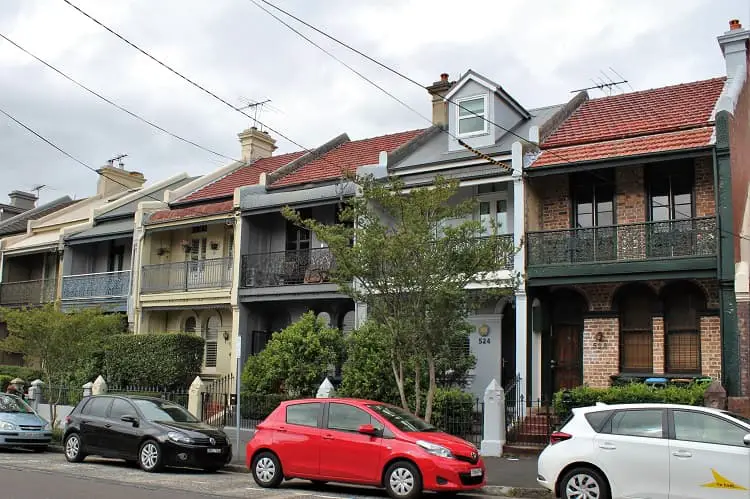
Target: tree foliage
{"points": [[414, 255], [296, 360], [160, 359]]}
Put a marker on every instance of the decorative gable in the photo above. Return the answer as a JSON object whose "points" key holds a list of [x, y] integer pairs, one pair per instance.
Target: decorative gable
{"points": [[476, 105]]}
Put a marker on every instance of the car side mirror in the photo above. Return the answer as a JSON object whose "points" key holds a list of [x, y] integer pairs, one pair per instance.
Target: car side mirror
{"points": [[746, 440], [368, 429], [129, 419]]}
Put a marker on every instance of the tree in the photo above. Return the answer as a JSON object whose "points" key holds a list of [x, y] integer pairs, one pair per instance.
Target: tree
{"points": [[295, 360], [409, 256], [60, 342]]}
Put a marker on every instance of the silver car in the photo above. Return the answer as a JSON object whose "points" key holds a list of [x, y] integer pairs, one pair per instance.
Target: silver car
{"points": [[20, 426]]}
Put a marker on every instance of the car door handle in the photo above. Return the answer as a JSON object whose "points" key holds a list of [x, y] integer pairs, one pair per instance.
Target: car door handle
{"points": [[281, 429], [108, 425], [682, 453], [328, 437], [607, 446]]}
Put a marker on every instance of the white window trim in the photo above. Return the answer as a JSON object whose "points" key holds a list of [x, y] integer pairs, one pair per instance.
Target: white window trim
{"points": [[486, 129]]}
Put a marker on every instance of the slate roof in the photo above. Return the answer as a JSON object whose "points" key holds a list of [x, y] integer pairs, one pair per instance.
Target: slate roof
{"points": [[676, 117], [19, 223]]}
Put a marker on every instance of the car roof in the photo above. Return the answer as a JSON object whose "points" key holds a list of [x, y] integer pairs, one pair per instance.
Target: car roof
{"points": [[130, 397], [653, 405], [339, 399]]}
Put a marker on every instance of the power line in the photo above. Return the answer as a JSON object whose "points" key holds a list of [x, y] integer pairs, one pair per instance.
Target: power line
{"points": [[379, 87], [109, 101], [66, 153]]}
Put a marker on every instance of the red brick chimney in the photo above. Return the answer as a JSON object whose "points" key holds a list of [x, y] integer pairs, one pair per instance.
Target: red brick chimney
{"points": [[734, 24]]}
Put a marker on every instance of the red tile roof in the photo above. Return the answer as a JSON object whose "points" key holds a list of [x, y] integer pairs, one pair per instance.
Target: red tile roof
{"points": [[199, 210], [647, 112], [246, 175], [347, 156], [648, 144]]}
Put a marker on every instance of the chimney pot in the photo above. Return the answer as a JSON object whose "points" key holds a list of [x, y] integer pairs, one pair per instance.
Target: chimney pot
{"points": [[735, 24], [444, 77]]}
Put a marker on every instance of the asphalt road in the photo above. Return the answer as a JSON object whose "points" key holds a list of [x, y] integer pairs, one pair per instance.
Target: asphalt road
{"points": [[25, 475]]}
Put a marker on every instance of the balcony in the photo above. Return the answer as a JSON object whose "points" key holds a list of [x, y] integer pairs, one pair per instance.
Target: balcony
{"points": [[285, 268], [24, 293], [190, 275], [685, 240], [97, 286]]}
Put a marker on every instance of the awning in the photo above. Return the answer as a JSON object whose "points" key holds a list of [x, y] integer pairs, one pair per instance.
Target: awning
{"points": [[44, 241], [103, 232]]}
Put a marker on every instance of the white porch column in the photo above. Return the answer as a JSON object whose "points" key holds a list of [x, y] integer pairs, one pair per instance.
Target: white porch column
{"points": [[519, 264]]}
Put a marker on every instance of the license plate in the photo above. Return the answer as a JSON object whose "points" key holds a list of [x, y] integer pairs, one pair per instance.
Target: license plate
{"points": [[218, 451], [476, 472]]}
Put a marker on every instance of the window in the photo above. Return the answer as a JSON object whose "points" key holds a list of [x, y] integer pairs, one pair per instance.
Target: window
{"points": [[597, 419], [121, 408], [211, 335], [698, 427], [303, 414], [593, 198], [197, 229], [472, 112], [636, 423], [497, 211], [163, 410], [671, 193], [682, 305], [298, 238], [116, 258], [190, 325], [401, 419], [634, 304], [349, 418], [97, 407], [260, 340]]}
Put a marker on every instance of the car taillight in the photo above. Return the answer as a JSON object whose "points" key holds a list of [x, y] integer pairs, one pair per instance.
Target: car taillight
{"points": [[558, 437], [67, 420]]}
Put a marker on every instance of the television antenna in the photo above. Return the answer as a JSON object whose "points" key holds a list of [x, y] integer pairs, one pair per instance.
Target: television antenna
{"points": [[256, 106], [606, 84], [37, 188], [118, 158]]}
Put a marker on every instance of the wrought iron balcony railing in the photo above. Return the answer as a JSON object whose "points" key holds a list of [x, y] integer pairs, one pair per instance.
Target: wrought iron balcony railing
{"points": [[98, 285], [694, 237], [22, 293], [284, 268], [187, 276]]}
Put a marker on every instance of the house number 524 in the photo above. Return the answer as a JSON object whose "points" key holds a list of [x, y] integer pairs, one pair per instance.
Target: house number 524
{"points": [[484, 341]]}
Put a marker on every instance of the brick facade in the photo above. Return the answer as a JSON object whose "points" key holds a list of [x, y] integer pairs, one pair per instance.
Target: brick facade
{"points": [[743, 327], [554, 196], [705, 202], [630, 198], [600, 358], [658, 333], [711, 346]]}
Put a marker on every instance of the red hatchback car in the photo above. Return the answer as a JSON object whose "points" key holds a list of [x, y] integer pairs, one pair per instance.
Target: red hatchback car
{"points": [[361, 442]]}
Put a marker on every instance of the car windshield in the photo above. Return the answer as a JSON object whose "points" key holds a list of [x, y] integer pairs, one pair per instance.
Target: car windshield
{"points": [[9, 403], [401, 419], [164, 411]]}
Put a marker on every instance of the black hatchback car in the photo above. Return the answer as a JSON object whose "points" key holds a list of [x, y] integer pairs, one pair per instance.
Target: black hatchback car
{"points": [[148, 431]]}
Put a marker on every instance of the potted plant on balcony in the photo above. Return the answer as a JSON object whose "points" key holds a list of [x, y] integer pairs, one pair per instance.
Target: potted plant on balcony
{"points": [[186, 245]]}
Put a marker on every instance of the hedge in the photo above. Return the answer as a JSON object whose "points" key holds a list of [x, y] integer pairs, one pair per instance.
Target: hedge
{"points": [[258, 407], [161, 359], [632, 393], [4, 382], [453, 411], [28, 374]]}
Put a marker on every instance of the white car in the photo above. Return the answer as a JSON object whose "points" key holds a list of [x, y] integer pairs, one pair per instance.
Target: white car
{"points": [[657, 451]]}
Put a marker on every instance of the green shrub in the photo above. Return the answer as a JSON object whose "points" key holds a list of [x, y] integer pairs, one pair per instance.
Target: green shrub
{"points": [[453, 411], [295, 360], [631, 393], [163, 360], [28, 374], [259, 407], [4, 382]]}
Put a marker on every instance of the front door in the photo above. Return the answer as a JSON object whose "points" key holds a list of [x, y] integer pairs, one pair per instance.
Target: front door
{"points": [[508, 350], [566, 363]]}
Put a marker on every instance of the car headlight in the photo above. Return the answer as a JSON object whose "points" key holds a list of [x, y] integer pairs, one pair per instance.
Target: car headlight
{"points": [[47, 427], [178, 437], [4, 425], [435, 449]]}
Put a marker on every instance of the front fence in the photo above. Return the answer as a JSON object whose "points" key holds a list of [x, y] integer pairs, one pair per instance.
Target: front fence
{"points": [[216, 408], [178, 396], [461, 418], [527, 422]]}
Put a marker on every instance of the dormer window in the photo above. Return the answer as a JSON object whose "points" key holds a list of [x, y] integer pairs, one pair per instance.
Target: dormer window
{"points": [[472, 112]]}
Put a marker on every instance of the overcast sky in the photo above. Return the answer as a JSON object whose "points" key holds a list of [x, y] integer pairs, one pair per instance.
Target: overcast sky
{"points": [[537, 50]]}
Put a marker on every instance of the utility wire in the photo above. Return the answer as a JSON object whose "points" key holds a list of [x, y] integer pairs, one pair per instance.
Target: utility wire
{"points": [[379, 87], [66, 153], [108, 101]]}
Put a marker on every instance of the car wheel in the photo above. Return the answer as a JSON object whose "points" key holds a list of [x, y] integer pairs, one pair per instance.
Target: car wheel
{"points": [[73, 451], [403, 481], [267, 470], [150, 456], [584, 483]]}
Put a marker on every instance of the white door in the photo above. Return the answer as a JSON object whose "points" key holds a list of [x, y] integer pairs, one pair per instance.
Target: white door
{"points": [[197, 265], [494, 210], [708, 458], [633, 452]]}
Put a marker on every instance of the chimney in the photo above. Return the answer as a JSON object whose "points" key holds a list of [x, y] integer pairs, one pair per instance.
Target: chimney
{"points": [[439, 106], [22, 200], [733, 45], [256, 144], [113, 180]]}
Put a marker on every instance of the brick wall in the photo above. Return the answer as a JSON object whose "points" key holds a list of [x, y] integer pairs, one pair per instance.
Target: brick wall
{"points": [[743, 324], [657, 325], [554, 195], [630, 195], [705, 202], [600, 359], [739, 150], [711, 346]]}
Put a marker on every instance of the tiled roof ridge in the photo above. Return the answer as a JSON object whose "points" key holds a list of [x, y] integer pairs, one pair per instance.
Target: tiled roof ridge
{"points": [[656, 89], [312, 155], [239, 164], [560, 117], [414, 143]]}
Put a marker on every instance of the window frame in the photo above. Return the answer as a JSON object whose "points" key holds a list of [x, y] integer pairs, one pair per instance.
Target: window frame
{"points": [[622, 309], [484, 115], [318, 422], [608, 422], [695, 331], [672, 434], [493, 198], [374, 421], [92, 400], [134, 411], [667, 172], [596, 185]]}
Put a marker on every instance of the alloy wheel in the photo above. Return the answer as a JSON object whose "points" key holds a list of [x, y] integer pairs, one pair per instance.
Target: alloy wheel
{"points": [[149, 456], [265, 469], [72, 447], [582, 486], [401, 481]]}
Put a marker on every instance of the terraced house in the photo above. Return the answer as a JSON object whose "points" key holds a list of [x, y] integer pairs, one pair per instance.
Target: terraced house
{"points": [[636, 206]]}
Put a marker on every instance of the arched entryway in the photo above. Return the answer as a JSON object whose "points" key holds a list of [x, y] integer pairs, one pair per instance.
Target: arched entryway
{"points": [[566, 362]]}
